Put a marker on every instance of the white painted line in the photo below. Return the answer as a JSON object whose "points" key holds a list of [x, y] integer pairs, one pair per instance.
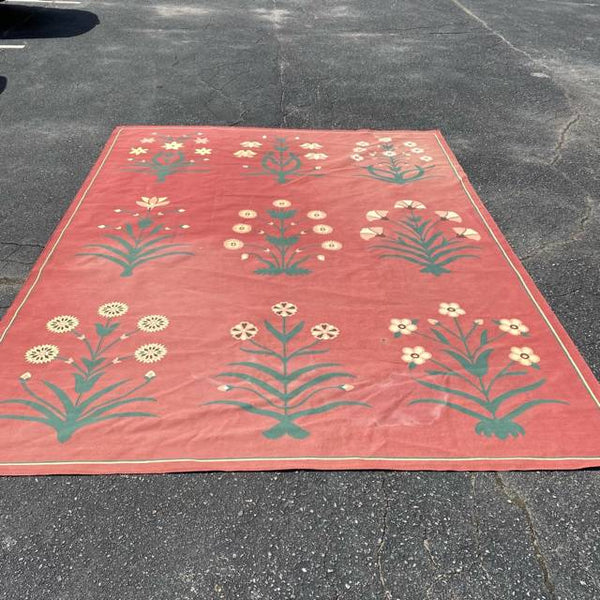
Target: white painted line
{"points": [[48, 1], [12, 46]]}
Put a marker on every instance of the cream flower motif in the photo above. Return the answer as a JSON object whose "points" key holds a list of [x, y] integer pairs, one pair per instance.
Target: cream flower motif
{"points": [[451, 309], [376, 215], [513, 326], [426, 158], [149, 140], [347, 387], [233, 244], [448, 215], [284, 309], [416, 356], [243, 331], [150, 375], [281, 203], [251, 144], [62, 324], [331, 245], [410, 144], [138, 150], [465, 232], [152, 323], [202, 151], [410, 204], [363, 144], [152, 202], [359, 150], [39, 355], [244, 153], [385, 140], [368, 233], [525, 355], [357, 157], [248, 214], [242, 228], [315, 156], [310, 146], [172, 145], [201, 140], [389, 153], [417, 150], [150, 353], [322, 229], [316, 214], [402, 326], [113, 309], [324, 331], [25, 376]]}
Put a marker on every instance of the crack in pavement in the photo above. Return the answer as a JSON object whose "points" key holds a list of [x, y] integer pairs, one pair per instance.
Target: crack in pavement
{"points": [[562, 138], [387, 595], [514, 498]]}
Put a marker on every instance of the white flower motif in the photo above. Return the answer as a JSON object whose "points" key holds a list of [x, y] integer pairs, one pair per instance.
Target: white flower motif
{"points": [[202, 151], [410, 144], [284, 309], [451, 309], [359, 150], [113, 309], [410, 204], [150, 353], [385, 140], [357, 157], [244, 153], [233, 244], [315, 156], [201, 140], [251, 144], [242, 228], [224, 388], [248, 214], [243, 330], [281, 203], [152, 202], [448, 215], [513, 326], [316, 215], [426, 158], [139, 150], [363, 144], [310, 146], [324, 331], [402, 326], [152, 323], [172, 145], [322, 229], [331, 245], [465, 232], [417, 150], [25, 376], [347, 387], [376, 215], [62, 324], [389, 153], [368, 233], [416, 356], [150, 375], [525, 355], [42, 354], [147, 140]]}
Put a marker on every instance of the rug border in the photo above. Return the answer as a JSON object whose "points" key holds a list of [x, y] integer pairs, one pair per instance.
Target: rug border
{"points": [[500, 463]]}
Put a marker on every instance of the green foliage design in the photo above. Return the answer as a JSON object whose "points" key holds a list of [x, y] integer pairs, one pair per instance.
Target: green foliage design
{"points": [[287, 383], [464, 375], [92, 396], [140, 242]]}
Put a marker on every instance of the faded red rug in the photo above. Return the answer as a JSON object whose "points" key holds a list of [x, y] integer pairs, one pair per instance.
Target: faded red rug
{"points": [[249, 299]]}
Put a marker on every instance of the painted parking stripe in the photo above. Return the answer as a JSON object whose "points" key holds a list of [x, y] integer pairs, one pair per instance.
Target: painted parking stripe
{"points": [[48, 1], [12, 46]]}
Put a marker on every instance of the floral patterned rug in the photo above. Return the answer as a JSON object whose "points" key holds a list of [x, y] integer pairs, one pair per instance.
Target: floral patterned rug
{"points": [[251, 299]]}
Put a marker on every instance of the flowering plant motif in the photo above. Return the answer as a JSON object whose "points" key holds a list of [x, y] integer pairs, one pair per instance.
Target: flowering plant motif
{"points": [[88, 400], [168, 155], [472, 366], [390, 162], [142, 241], [282, 162], [284, 388], [418, 240], [283, 250]]}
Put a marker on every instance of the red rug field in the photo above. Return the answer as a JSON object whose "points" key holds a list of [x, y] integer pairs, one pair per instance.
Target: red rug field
{"points": [[258, 299]]}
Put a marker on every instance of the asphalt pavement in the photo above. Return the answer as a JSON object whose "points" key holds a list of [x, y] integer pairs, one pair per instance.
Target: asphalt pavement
{"points": [[515, 87]]}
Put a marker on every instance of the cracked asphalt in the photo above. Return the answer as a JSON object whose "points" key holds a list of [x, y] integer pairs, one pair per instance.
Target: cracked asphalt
{"points": [[515, 87]]}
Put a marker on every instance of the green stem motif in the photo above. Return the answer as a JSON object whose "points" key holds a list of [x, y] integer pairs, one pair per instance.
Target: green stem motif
{"points": [[473, 366], [282, 163], [392, 170], [279, 392], [422, 242], [140, 243], [66, 409]]}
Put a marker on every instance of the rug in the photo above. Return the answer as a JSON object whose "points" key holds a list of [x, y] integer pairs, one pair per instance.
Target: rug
{"points": [[260, 299]]}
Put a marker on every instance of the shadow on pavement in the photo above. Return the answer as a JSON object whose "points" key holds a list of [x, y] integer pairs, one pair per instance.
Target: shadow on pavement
{"points": [[3, 81], [29, 22]]}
